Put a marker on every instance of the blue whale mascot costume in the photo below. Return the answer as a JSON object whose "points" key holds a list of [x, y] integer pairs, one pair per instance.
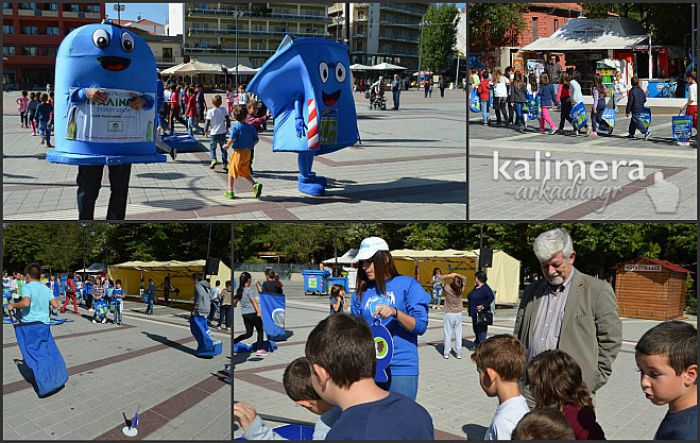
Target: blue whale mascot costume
{"points": [[207, 347], [306, 85], [116, 130]]}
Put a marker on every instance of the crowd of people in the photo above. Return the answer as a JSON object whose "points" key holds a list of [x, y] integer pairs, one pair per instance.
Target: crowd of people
{"points": [[545, 375], [517, 97], [102, 296]]}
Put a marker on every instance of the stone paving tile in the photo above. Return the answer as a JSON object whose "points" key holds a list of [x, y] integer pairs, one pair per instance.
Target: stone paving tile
{"points": [[449, 389], [93, 401], [423, 144], [495, 199]]}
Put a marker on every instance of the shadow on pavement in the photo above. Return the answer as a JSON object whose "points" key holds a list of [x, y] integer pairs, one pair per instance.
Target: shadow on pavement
{"points": [[162, 175], [169, 343]]}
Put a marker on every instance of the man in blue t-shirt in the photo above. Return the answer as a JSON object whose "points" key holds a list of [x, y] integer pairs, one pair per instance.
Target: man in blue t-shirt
{"points": [[342, 355], [36, 298]]}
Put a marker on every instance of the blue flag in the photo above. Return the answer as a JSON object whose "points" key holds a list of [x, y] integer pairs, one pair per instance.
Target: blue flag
{"points": [[135, 421], [273, 307]]}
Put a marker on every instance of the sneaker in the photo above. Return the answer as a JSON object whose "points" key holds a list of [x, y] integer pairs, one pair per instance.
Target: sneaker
{"points": [[49, 145], [261, 353], [446, 357], [91, 310], [593, 134], [212, 164], [257, 189], [94, 321], [459, 357], [225, 167], [647, 135], [228, 194], [630, 137], [552, 131], [104, 320]]}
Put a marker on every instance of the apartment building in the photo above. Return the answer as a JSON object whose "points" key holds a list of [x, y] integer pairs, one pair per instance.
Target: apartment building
{"points": [[250, 32], [380, 32], [32, 32]]}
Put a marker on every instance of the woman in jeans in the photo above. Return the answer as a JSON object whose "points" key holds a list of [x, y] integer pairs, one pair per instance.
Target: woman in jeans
{"points": [[519, 99], [452, 318], [500, 96], [250, 311]]}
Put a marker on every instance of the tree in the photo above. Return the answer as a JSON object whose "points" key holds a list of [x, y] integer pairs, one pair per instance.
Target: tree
{"points": [[439, 36], [495, 25]]}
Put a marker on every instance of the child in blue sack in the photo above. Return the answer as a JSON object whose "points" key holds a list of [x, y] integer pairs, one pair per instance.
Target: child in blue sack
{"points": [[118, 300], [100, 302]]}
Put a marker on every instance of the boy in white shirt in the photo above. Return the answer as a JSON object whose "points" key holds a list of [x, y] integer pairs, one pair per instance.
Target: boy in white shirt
{"points": [[217, 119], [500, 361]]}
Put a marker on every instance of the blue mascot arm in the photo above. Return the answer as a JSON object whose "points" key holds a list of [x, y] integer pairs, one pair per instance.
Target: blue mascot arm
{"points": [[149, 102], [299, 117], [77, 95]]}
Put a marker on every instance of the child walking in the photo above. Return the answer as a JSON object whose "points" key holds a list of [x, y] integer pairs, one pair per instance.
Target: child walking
{"points": [[484, 91], [257, 122], [635, 106], [242, 138], [219, 122], [43, 115], [548, 96], [599, 94], [31, 110], [691, 106], [22, 108], [519, 99], [500, 96]]}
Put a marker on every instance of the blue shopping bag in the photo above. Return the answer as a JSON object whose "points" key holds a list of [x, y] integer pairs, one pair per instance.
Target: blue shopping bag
{"points": [[646, 118], [579, 117], [682, 127], [474, 103], [533, 107], [608, 120], [41, 355]]}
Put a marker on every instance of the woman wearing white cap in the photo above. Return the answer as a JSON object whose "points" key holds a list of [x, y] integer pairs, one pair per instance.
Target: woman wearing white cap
{"points": [[400, 302]]}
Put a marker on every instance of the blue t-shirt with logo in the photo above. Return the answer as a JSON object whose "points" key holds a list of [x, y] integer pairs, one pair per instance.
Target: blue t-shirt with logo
{"points": [[394, 417], [244, 136], [408, 296], [38, 309]]}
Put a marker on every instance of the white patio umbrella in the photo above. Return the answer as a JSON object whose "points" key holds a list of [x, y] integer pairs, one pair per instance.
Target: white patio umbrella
{"points": [[388, 67], [243, 70], [360, 67], [194, 67]]}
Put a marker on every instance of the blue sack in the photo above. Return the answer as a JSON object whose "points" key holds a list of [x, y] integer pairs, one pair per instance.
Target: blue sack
{"points": [[292, 432], [682, 127], [579, 117], [206, 346], [273, 307], [474, 102], [533, 107], [41, 355]]}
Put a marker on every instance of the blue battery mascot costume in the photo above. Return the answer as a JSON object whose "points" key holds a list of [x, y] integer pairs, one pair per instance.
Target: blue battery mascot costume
{"points": [[104, 110], [306, 85]]}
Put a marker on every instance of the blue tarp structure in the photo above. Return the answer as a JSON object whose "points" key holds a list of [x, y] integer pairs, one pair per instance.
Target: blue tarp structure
{"points": [[41, 355], [206, 346]]}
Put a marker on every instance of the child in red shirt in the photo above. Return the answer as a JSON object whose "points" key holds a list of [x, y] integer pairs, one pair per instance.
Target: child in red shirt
{"points": [[484, 91], [191, 113]]}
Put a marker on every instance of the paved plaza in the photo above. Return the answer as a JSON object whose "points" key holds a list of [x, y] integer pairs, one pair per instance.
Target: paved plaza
{"points": [[601, 197], [448, 389], [148, 361], [411, 165]]}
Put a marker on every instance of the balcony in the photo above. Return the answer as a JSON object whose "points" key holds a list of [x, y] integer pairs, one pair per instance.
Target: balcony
{"points": [[399, 38], [246, 32], [205, 51], [404, 9], [404, 24]]}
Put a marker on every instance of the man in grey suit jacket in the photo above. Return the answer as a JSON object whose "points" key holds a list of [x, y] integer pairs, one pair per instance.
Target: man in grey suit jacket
{"points": [[570, 311]]}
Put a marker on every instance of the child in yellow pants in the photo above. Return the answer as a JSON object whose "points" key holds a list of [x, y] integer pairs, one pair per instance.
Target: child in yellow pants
{"points": [[243, 138]]}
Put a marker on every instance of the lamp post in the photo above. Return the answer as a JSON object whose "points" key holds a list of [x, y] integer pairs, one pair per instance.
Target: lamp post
{"points": [[237, 13]]}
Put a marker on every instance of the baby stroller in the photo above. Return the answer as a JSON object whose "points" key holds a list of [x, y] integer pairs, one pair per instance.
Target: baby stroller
{"points": [[376, 100]]}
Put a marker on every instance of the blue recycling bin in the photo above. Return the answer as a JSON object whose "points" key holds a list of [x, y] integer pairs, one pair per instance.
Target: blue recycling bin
{"points": [[343, 281], [315, 281], [292, 432]]}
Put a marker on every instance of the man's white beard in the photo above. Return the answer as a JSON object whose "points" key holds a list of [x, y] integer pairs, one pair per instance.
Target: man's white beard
{"points": [[556, 281]]}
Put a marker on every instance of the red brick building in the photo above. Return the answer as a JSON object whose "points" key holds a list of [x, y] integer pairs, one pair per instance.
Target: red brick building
{"points": [[32, 32], [543, 20]]}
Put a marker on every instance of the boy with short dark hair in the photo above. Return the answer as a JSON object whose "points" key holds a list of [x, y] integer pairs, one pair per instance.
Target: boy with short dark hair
{"points": [[216, 126], [500, 361], [297, 383], [635, 106], [342, 355], [666, 356], [242, 139]]}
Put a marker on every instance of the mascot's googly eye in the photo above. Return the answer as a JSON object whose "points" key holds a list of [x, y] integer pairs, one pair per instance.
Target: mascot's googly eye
{"points": [[323, 70], [100, 38], [127, 42], [340, 72]]}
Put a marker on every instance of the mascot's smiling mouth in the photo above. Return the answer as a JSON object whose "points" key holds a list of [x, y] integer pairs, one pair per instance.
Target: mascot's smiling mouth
{"points": [[112, 63], [330, 99]]}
